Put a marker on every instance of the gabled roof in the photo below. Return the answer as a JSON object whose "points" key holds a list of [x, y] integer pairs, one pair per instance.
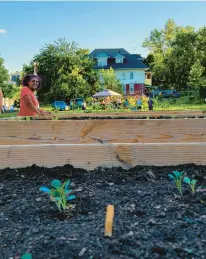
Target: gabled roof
{"points": [[102, 55], [110, 52], [131, 61], [119, 56]]}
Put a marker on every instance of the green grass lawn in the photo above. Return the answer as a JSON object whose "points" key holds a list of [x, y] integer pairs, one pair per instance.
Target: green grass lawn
{"points": [[197, 107]]}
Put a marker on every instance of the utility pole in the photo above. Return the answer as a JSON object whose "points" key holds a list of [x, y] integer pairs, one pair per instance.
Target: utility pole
{"points": [[35, 68]]}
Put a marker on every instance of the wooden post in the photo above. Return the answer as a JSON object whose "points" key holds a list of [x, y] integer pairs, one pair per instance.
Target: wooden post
{"points": [[109, 221]]}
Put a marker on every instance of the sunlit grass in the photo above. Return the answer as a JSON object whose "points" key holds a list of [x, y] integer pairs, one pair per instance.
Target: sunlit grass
{"points": [[193, 107]]}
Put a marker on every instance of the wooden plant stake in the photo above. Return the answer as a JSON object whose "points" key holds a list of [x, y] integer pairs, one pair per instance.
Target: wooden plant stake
{"points": [[109, 220]]}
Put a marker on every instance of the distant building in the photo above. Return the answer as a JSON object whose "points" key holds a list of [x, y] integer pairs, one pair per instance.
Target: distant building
{"points": [[148, 78], [15, 76], [129, 68]]}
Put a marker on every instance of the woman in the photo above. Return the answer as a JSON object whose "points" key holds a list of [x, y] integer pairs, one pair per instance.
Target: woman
{"points": [[29, 105]]}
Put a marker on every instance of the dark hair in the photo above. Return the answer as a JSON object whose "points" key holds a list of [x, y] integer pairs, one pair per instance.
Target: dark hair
{"points": [[27, 78]]}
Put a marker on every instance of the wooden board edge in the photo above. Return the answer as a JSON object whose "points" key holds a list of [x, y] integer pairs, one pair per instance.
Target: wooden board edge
{"points": [[91, 156]]}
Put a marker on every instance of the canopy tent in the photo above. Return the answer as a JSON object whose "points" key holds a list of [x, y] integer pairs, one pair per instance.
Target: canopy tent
{"points": [[106, 93]]}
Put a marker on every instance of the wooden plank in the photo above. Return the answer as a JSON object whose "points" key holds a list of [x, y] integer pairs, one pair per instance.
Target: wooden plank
{"points": [[91, 156], [116, 115], [102, 131], [136, 114]]}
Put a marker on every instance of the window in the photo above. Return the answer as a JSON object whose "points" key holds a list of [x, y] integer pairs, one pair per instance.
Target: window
{"points": [[123, 75], [119, 60], [131, 75], [131, 88], [102, 62]]}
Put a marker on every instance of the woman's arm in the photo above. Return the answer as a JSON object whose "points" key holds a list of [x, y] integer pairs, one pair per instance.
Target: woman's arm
{"points": [[28, 101]]}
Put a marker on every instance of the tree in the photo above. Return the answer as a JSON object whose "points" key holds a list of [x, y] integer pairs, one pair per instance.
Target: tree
{"points": [[8, 89], [65, 70], [159, 44], [195, 78], [201, 55], [175, 52], [177, 64], [201, 47], [110, 81], [4, 76]]}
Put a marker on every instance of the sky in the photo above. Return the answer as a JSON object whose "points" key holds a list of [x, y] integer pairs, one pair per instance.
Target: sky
{"points": [[25, 27]]}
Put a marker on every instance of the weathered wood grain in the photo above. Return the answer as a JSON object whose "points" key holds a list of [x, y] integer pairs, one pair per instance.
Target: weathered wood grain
{"points": [[102, 131], [91, 156], [135, 114]]}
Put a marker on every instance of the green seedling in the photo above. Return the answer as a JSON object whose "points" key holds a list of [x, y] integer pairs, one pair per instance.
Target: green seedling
{"points": [[177, 177], [191, 183], [60, 194], [27, 256]]}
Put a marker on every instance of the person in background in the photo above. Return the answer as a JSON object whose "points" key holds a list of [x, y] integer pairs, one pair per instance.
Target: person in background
{"points": [[29, 105], [150, 104], [119, 103], [126, 104], [139, 104]]}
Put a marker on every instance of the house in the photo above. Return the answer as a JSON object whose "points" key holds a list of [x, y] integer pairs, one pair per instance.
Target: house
{"points": [[129, 68], [148, 78]]}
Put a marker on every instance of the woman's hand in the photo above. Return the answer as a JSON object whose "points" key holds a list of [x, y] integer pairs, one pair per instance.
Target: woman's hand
{"points": [[43, 113], [46, 114]]}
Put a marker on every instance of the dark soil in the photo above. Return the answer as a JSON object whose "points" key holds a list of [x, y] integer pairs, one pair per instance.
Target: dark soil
{"points": [[151, 219], [127, 118], [120, 118]]}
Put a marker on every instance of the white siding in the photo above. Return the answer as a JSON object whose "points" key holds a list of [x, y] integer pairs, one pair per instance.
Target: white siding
{"points": [[124, 76]]}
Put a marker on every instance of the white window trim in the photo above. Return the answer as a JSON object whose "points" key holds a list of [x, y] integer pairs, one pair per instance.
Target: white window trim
{"points": [[131, 73], [131, 86], [119, 60], [102, 62]]}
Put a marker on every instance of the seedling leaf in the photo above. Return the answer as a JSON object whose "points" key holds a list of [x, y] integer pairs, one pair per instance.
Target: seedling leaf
{"points": [[187, 180], [26, 256], [56, 184], [66, 184], [44, 189], [171, 176], [193, 182], [177, 174], [71, 197]]}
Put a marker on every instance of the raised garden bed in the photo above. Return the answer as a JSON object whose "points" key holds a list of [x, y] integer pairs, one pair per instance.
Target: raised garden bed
{"points": [[151, 219], [104, 142]]}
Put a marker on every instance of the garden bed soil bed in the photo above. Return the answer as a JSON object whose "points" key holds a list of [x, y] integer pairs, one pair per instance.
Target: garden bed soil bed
{"points": [[151, 219]]}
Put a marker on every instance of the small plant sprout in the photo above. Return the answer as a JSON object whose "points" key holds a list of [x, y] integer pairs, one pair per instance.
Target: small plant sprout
{"points": [[191, 183], [60, 194], [177, 177], [26, 256]]}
